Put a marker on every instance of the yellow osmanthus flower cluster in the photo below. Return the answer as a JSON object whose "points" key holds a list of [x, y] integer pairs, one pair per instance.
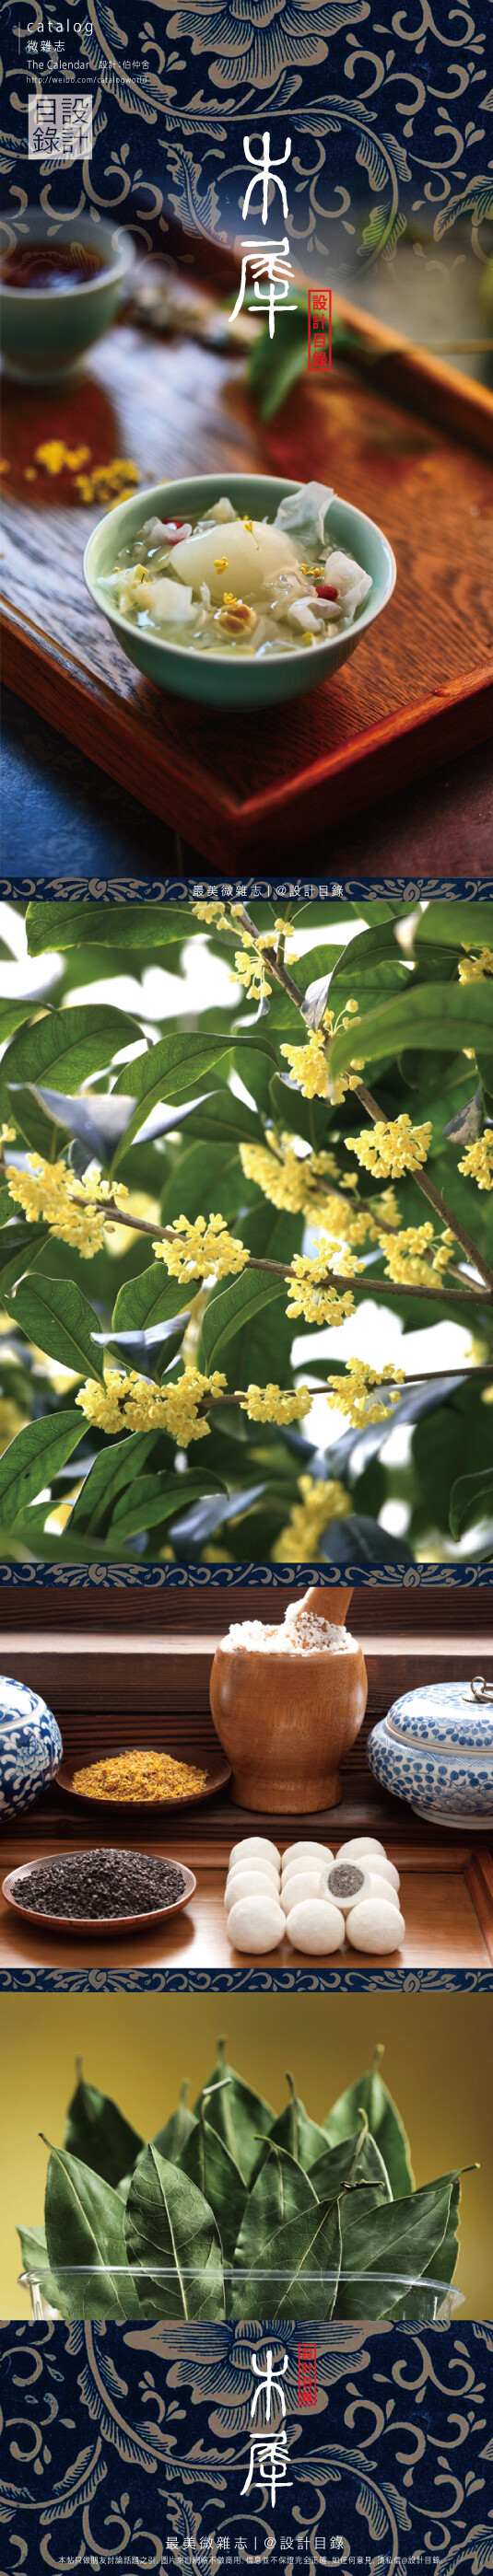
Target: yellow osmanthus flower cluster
{"points": [[49, 1190], [393, 1146], [287, 1179], [309, 1064], [354, 1393], [415, 1252], [298, 1541], [311, 1293], [252, 959], [276, 1404], [200, 1246], [477, 1162], [7, 1136], [128, 1402], [472, 970]]}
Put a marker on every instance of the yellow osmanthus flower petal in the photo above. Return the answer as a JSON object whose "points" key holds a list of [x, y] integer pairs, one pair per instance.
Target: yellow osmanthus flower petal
{"points": [[472, 970], [298, 1541], [393, 1146], [354, 1394], [274, 1404], [128, 1402], [477, 1162], [67, 1204], [200, 1246], [415, 1252]]}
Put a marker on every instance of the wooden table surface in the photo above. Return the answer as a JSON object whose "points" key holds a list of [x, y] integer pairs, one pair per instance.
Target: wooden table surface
{"points": [[417, 684], [446, 1895]]}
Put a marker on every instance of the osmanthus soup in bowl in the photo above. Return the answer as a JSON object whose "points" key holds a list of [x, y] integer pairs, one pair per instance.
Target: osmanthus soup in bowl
{"points": [[239, 590]]}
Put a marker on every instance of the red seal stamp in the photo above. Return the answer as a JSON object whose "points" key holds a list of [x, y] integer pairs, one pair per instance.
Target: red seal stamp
{"points": [[307, 2374], [320, 329]]}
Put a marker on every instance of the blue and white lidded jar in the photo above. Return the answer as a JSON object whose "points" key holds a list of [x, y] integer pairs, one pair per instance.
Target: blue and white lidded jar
{"points": [[30, 1747], [435, 1749]]}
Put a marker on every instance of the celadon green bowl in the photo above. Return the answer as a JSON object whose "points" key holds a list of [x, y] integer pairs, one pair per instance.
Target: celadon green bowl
{"points": [[215, 680], [43, 335]]}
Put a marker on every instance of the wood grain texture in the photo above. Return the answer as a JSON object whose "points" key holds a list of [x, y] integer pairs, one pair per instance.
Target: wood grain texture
{"points": [[389, 1609], [444, 1924], [420, 684]]}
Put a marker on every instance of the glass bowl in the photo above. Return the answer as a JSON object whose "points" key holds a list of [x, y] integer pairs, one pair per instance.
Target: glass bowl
{"points": [[361, 2296]]}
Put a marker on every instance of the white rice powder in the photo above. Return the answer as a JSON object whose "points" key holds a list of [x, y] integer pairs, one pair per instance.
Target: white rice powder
{"points": [[302, 1633]]}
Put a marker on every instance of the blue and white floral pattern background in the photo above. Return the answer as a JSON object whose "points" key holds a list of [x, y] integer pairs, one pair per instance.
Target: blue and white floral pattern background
{"points": [[125, 2446], [389, 117]]}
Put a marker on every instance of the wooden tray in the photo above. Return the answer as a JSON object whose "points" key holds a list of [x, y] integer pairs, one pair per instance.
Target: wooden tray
{"points": [[407, 440], [447, 1902]]}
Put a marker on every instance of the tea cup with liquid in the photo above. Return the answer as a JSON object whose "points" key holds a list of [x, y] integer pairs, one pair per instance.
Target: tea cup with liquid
{"points": [[61, 286]]}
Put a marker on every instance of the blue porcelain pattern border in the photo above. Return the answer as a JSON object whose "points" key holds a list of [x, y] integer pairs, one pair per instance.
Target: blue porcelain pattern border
{"points": [[245, 1981], [123, 890], [155, 1578], [129, 2446]]}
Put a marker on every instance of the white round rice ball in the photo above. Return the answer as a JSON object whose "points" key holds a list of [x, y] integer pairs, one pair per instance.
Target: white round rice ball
{"points": [[257, 1847], [305, 1851], [247, 1882], [305, 1882], [315, 1927], [376, 1926], [387, 1869], [360, 1847], [256, 1923], [383, 1887], [332, 1889]]}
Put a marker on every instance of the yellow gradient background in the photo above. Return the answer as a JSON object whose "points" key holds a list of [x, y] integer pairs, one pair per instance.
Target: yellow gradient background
{"points": [[438, 2064]]}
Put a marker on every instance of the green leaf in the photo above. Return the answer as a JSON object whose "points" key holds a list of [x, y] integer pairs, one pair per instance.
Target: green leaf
{"points": [[238, 2115], [456, 925], [368, 948], [54, 1313], [100, 925], [111, 1474], [167, 1072], [32, 1459], [296, 2132], [155, 1498], [359, 1540], [354, 2163], [150, 1299], [422, 2304], [12, 1014], [402, 2238], [191, 1530], [470, 1498], [172, 2138], [168, 2223], [221, 1119], [73, 1044], [281, 2191], [430, 1015], [97, 2132], [209, 2165], [84, 2227], [370, 2095], [39, 1130], [229, 1308], [20, 1246], [205, 1176], [299, 2274]]}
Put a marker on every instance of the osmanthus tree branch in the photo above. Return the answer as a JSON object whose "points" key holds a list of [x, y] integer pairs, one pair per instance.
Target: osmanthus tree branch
{"points": [[435, 1200]]}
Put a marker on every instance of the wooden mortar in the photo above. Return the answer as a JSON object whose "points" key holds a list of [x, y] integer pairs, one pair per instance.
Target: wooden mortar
{"points": [[286, 1721]]}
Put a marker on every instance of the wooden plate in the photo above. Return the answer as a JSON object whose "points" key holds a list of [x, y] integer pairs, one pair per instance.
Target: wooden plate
{"points": [[216, 1779], [94, 1925]]}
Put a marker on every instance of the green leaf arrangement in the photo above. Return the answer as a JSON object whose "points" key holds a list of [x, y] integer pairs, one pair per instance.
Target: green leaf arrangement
{"points": [[232, 2212], [339, 1021]]}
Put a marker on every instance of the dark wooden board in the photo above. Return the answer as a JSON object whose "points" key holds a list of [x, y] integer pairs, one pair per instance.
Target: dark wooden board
{"points": [[447, 1902], [407, 442]]}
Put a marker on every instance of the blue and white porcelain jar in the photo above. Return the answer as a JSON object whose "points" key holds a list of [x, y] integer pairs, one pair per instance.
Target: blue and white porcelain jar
{"points": [[30, 1747], [435, 1749]]}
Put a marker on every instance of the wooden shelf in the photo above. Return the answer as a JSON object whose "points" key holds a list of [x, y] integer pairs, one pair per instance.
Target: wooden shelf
{"points": [[447, 1898]]}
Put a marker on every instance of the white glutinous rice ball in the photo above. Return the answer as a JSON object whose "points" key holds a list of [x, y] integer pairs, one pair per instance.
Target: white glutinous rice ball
{"points": [[256, 1923], [305, 1882], [247, 558], [386, 1869], [360, 1848], [306, 1851], [315, 1927], [383, 1887], [248, 1882], [256, 1847], [266, 1868], [376, 1925], [345, 1883]]}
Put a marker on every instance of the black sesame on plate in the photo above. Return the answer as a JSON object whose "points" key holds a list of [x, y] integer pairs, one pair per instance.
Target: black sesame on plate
{"points": [[92, 1890]]}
